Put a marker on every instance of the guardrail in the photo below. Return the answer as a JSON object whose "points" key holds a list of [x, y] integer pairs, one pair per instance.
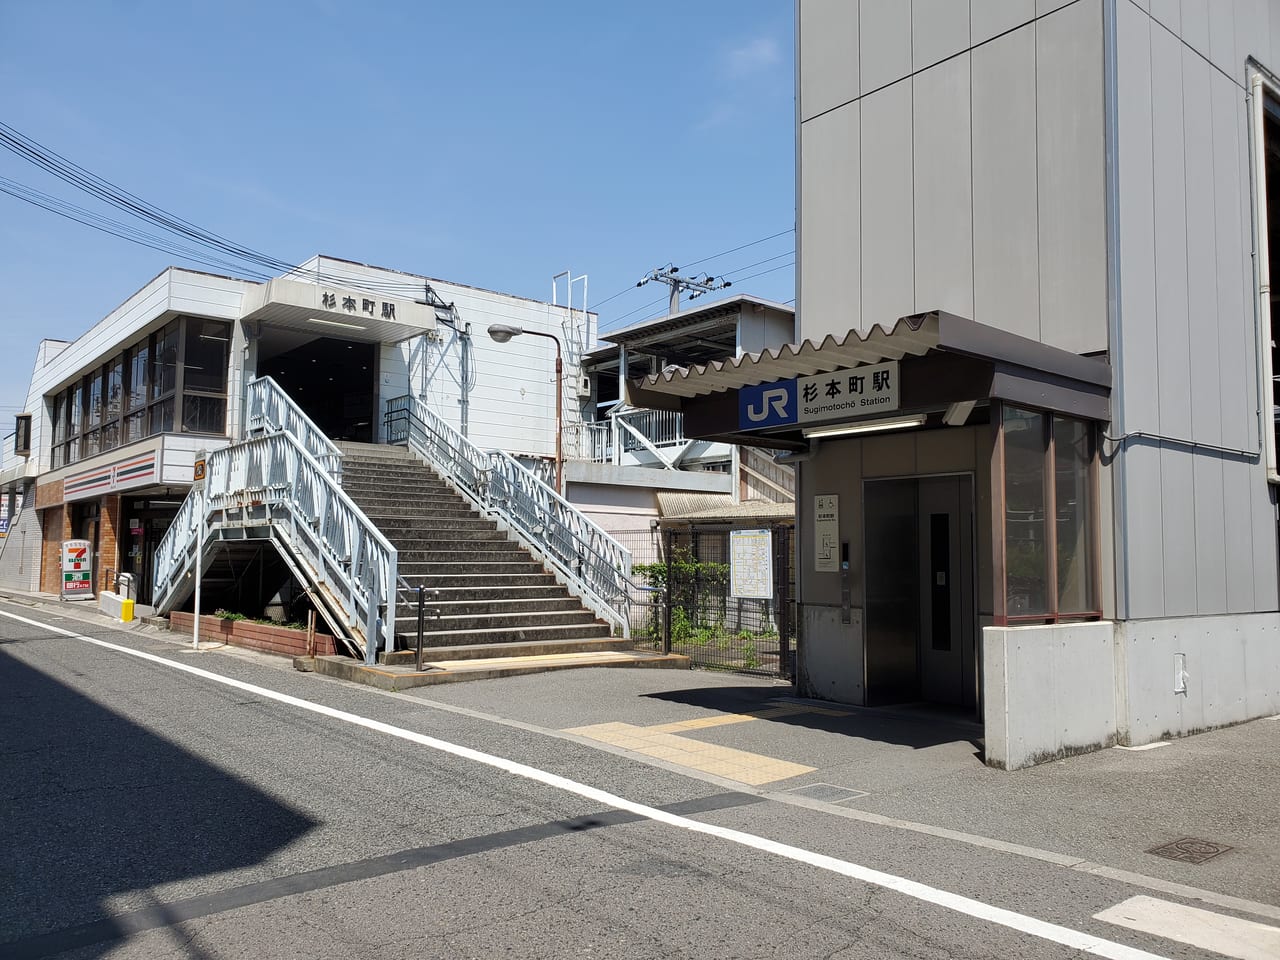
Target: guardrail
{"points": [[274, 481], [596, 565], [269, 409]]}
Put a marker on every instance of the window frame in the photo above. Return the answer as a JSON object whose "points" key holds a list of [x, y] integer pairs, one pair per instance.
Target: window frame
{"points": [[1000, 579]]}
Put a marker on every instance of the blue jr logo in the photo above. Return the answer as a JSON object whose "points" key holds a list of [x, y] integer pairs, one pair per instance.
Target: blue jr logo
{"points": [[767, 405]]}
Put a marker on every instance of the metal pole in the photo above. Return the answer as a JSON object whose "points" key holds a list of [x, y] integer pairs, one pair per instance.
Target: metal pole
{"points": [[666, 612], [195, 627], [421, 614], [559, 420]]}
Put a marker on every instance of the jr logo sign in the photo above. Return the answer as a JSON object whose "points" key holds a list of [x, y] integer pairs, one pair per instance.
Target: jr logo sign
{"points": [[767, 405]]}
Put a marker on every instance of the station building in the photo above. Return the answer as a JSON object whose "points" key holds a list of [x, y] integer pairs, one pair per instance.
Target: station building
{"points": [[115, 419], [1031, 398]]}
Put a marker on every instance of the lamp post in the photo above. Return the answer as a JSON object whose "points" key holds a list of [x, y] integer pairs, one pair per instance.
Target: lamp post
{"points": [[502, 333]]}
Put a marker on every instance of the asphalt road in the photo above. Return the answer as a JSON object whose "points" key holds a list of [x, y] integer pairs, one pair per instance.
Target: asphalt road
{"points": [[159, 802]]}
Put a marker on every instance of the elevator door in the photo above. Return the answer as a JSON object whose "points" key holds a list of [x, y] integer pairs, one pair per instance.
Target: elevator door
{"points": [[945, 538]]}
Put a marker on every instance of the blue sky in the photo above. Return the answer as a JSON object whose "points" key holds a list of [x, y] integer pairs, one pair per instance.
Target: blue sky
{"points": [[489, 143]]}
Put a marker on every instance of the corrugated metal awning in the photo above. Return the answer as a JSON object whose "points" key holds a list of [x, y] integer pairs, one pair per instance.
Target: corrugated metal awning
{"points": [[910, 336]]}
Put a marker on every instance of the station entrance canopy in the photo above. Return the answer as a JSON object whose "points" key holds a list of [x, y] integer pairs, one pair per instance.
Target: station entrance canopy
{"points": [[327, 310], [933, 367]]}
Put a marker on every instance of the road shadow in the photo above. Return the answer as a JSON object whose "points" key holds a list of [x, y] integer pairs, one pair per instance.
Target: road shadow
{"points": [[94, 806], [908, 725]]}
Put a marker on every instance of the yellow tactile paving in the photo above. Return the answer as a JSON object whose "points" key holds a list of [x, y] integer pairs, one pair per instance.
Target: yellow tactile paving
{"points": [[750, 768]]}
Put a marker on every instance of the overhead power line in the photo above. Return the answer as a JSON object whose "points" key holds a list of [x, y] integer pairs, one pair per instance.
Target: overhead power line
{"points": [[723, 253], [210, 249]]}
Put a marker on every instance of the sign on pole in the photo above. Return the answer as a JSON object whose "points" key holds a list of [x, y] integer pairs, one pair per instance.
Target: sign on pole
{"points": [[77, 569]]}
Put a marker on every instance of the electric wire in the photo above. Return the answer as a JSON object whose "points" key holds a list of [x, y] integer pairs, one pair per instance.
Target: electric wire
{"points": [[714, 256], [242, 258]]}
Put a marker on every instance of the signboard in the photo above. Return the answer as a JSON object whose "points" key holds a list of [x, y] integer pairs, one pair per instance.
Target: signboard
{"points": [[77, 568], [838, 395], [4, 526], [751, 564], [198, 470], [826, 534]]}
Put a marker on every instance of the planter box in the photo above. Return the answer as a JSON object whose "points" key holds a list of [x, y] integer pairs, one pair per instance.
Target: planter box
{"points": [[284, 641]]}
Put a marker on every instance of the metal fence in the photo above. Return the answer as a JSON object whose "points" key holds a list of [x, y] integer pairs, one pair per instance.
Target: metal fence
{"points": [[693, 611]]}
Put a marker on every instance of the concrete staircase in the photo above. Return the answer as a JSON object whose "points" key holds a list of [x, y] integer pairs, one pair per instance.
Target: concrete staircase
{"points": [[494, 599]]}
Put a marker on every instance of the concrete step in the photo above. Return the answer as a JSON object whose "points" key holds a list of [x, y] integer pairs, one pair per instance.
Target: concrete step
{"points": [[358, 451], [494, 603], [495, 588], [472, 558], [405, 677], [536, 648], [429, 528], [482, 577], [504, 635], [462, 622]]}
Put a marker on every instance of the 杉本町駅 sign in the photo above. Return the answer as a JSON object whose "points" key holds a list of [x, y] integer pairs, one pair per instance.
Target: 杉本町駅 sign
{"points": [[838, 395]]}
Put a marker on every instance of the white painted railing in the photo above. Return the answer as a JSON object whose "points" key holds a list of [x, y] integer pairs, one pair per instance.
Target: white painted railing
{"points": [[272, 481], [660, 432], [268, 409], [595, 565]]}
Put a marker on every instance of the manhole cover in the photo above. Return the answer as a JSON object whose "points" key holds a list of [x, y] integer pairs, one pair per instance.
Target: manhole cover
{"points": [[1190, 850], [828, 792]]}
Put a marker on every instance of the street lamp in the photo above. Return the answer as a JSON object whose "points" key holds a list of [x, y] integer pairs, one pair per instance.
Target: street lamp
{"points": [[502, 333]]}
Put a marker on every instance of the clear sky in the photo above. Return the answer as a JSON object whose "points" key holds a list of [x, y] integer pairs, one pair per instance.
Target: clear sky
{"points": [[492, 142]]}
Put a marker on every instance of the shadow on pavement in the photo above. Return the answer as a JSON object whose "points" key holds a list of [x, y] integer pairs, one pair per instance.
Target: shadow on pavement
{"points": [[94, 806], [911, 725]]}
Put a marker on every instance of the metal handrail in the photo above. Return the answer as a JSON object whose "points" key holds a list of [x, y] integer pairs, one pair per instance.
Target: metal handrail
{"points": [[269, 409], [595, 565], [340, 549]]}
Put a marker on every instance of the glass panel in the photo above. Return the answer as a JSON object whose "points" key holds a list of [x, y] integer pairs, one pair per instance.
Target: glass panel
{"points": [[161, 417], [138, 366], [73, 449], [94, 399], [1026, 562], [135, 426], [113, 389], [90, 443], [208, 342], [59, 419], [164, 365], [1072, 456], [203, 414], [111, 435], [75, 412]]}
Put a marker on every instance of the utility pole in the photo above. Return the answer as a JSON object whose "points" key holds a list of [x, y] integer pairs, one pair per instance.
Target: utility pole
{"points": [[670, 275]]}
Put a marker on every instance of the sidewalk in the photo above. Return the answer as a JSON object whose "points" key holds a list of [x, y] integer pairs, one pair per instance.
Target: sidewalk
{"points": [[922, 771]]}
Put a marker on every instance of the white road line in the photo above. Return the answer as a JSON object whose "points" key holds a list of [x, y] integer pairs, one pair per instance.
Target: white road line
{"points": [[1146, 746], [1073, 939], [1229, 936]]}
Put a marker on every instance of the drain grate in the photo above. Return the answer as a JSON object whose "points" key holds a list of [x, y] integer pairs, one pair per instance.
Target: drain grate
{"points": [[827, 792], [1191, 850]]}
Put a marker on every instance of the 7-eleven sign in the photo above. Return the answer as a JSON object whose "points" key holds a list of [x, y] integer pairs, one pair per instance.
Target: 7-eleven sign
{"points": [[77, 568]]}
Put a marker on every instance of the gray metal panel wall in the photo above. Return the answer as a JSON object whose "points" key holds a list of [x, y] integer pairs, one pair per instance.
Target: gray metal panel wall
{"points": [[1200, 533], [974, 193], [1071, 177]]}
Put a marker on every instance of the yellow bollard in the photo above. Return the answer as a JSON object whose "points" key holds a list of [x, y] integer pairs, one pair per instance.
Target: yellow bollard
{"points": [[126, 610]]}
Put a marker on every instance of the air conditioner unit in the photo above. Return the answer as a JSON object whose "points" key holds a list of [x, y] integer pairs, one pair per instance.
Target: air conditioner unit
{"points": [[583, 387]]}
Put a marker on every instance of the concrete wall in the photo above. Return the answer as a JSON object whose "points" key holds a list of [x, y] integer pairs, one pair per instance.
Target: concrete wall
{"points": [[1051, 691], [1048, 692], [952, 156], [1233, 674], [1198, 526]]}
